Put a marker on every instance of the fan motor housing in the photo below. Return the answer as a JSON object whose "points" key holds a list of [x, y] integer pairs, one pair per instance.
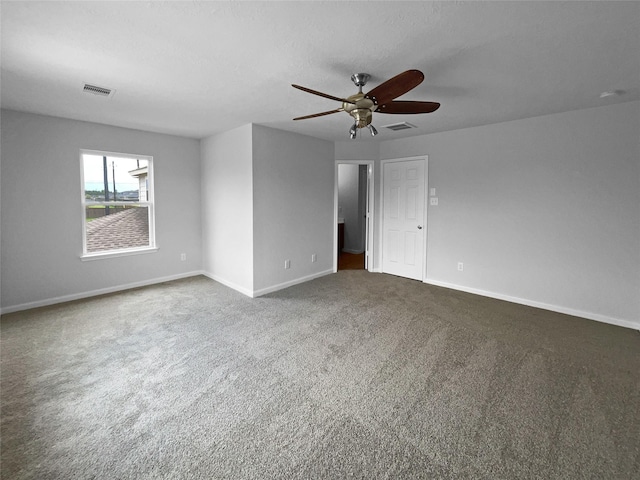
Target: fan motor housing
{"points": [[361, 110]]}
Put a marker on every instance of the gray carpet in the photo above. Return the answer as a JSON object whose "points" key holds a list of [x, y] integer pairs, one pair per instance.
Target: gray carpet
{"points": [[353, 375]]}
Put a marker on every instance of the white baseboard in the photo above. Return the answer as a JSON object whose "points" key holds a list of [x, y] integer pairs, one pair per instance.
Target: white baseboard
{"points": [[290, 283], [545, 306], [264, 291], [94, 293], [231, 285]]}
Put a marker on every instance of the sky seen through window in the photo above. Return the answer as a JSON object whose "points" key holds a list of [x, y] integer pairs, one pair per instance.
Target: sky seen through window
{"points": [[94, 172]]}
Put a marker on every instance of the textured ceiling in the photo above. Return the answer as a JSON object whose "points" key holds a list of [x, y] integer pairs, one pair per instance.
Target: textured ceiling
{"points": [[199, 68]]}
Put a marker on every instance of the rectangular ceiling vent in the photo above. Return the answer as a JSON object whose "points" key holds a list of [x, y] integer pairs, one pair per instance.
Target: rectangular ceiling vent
{"points": [[399, 126], [101, 91]]}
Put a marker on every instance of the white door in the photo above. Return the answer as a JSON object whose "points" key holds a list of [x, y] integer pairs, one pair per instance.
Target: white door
{"points": [[403, 218]]}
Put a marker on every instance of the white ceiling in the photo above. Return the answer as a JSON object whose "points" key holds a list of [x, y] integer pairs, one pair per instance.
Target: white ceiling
{"points": [[199, 68]]}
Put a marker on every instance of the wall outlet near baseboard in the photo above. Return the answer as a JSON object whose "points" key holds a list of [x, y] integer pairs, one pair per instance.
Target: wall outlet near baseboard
{"points": [[287, 264], [183, 256], [314, 258], [460, 266]]}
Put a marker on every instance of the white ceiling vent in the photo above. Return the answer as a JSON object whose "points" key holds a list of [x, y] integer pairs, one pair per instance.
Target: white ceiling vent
{"points": [[101, 91], [399, 126]]}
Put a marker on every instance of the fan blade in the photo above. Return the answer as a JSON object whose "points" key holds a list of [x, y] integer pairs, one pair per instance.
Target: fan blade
{"points": [[408, 107], [396, 86], [325, 95], [320, 114]]}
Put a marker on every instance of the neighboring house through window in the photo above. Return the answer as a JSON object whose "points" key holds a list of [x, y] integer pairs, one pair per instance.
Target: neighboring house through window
{"points": [[117, 204]]}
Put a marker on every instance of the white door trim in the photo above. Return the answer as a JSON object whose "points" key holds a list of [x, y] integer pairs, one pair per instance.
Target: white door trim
{"points": [[371, 218], [425, 221]]}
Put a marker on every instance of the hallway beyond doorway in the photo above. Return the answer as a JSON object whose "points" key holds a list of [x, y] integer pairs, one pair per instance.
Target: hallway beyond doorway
{"points": [[351, 261]]}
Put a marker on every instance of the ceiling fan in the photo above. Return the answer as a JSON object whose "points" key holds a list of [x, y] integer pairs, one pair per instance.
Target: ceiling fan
{"points": [[381, 99]]}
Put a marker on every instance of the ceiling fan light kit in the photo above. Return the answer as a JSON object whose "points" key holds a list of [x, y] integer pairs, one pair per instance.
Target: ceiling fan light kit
{"points": [[381, 99]]}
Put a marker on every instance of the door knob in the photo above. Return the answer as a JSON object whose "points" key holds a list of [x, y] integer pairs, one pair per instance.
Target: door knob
{"points": [[419, 227]]}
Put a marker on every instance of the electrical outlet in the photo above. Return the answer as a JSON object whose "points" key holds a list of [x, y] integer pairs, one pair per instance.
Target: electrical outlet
{"points": [[287, 264], [433, 201], [460, 266], [183, 256], [314, 258]]}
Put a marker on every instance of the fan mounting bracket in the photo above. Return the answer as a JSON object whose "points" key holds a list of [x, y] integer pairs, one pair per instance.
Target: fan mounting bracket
{"points": [[360, 80]]}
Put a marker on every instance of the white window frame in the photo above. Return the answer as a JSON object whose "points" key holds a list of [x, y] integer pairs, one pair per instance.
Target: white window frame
{"points": [[149, 203]]}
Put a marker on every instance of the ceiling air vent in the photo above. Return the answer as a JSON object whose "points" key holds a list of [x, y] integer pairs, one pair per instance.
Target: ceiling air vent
{"points": [[399, 126], [101, 91]]}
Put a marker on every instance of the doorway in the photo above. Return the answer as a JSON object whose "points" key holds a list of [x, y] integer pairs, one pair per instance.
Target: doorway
{"points": [[353, 215]]}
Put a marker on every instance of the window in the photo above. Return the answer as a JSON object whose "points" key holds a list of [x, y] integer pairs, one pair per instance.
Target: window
{"points": [[117, 204]]}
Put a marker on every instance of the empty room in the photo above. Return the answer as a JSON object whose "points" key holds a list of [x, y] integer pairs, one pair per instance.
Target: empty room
{"points": [[320, 240]]}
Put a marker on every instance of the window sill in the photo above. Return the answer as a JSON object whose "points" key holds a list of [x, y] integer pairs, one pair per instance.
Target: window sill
{"points": [[117, 253]]}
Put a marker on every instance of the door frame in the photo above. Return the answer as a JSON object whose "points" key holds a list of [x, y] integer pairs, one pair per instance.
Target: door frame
{"points": [[425, 219], [371, 218]]}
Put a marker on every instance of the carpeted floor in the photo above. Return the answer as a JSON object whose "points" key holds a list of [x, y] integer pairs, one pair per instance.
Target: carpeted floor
{"points": [[353, 375]]}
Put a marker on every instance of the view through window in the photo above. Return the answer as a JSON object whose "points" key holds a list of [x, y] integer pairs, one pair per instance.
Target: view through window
{"points": [[117, 203]]}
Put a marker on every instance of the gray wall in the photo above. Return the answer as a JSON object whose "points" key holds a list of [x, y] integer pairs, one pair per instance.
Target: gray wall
{"points": [[267, 197], [227, 208], [293, 207], [545, 211], [41, 247]]}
